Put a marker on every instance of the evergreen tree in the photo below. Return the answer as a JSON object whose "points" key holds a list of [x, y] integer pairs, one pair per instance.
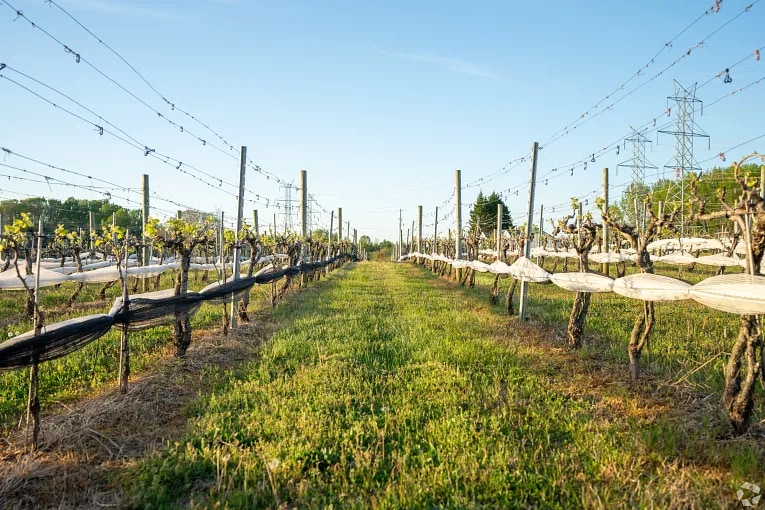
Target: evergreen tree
{"points": [[483, 215]]}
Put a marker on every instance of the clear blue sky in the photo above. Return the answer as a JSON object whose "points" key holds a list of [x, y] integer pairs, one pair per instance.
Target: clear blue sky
{"points": [[378, 101]]}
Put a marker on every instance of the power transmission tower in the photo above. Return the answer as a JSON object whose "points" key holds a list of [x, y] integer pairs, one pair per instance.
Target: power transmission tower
{"points": [[287, 206], [685, 131], [638, 163]]}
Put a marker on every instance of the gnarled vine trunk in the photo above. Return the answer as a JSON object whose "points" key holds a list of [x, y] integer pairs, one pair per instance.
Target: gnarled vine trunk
{"points": [[579, 311], [182, 326], [509, 297], [577, 319], [741, 372], [639, 337]]}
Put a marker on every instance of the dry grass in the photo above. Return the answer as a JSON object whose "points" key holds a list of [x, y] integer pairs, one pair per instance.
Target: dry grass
{"points": [[84, 445]]}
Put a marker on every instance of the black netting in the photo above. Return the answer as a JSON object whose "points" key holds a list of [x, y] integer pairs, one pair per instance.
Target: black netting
{"points": [[143, 311], [223, 292], [55, 341]]}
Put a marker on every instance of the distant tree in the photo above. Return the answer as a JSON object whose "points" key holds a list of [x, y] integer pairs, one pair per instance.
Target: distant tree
{"points": [[483, 215], [320, 234]]}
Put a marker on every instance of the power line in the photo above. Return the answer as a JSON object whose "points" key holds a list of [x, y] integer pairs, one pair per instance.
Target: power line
{"points": [[587, 118], [79, 58]]}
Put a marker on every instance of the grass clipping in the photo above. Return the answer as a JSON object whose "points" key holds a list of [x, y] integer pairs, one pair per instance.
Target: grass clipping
{"points": [[86, 444]]}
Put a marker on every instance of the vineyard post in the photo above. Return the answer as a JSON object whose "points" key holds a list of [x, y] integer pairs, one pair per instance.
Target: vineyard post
{"points": [[331, 228], [339, 225], [255, 221], [458, 213], [400, 235], [33, 402], [762, 181], [2, 223], [499, 230], [355, 239], [91, 227], [435, 232], [179, 214], [530, 217], [604, 266], [124, 372], [419, 229], [347, 230], [146, 253], [303, 211], [239, 219], [273, 230]]}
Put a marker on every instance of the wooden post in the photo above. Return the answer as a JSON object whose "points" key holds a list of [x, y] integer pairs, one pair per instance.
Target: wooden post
{"points": [[400, 235], [255, 222], [179, 214], [435, 232], [124, 372], [355, 239], [458, 213], [606, 247], [499, 231], [239, 221], [145, 211], [419, 229], [762, 180], [274, 229], [339, 225], [303, 203], [331, 227], [530, 213]]}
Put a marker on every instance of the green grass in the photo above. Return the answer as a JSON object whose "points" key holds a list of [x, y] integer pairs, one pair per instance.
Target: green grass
{"points": [[389, 388], [96, 365]]}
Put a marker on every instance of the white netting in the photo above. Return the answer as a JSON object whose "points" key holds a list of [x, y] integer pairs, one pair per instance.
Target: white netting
{"points": [[677, 259], [10, 281], [734, 293], [583, 282], [525, 270], [610, 257], [499, 267], [479, 266], [651, 287], [719, 260]]}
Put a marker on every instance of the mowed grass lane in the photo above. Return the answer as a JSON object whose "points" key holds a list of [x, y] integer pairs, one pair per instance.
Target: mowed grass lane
{"points": [[388, 388]]}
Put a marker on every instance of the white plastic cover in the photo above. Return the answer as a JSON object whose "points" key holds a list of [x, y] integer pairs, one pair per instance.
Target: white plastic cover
{"points": [[734, 293], [651, 287], [583, 282]]}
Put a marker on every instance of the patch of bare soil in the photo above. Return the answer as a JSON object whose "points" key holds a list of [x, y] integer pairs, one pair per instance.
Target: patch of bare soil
{"points": [[86, 443]]}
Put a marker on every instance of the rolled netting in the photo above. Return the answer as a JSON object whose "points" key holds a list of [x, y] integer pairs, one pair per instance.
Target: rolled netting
{"points": [[583, 282], [143, 311], [525, 270], [733, 293], [651, 287], [55, 340]]}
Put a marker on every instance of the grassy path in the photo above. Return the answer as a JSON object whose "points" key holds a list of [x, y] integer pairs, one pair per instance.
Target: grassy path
{"points": [[389, 388]]}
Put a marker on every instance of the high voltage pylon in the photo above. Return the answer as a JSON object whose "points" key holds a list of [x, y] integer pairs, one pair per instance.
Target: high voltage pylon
{"points": [[638, 163], [685, 131], [287, 210]]}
